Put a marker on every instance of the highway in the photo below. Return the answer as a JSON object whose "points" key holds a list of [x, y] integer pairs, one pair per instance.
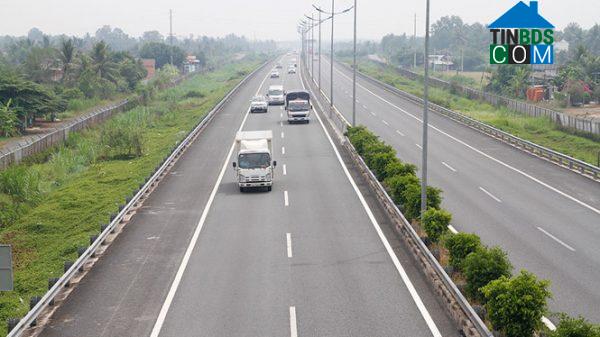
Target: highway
{"points": [[546, 217], [314, 257]]}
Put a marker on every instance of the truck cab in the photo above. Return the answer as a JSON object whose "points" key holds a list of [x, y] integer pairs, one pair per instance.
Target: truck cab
{"points": [[275, 95], [297, 106], [254, 167]]}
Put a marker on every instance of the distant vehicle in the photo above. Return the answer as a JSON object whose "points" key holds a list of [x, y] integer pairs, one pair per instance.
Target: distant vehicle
{"points": [[276, 95], [298, 107], [275, 74], [254, 166], [291, 70], [259, 104], [278, 66]]}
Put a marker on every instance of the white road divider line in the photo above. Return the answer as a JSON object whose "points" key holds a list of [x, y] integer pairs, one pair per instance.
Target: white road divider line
{"points": [[288, 237], [283, 150], [449, 167], [452, 229], [372, 113], [286, 200], [190, 248], [281, 115], [293, 324], [400, 133], [384, 122], [556, 239], [284, 170], [527, 175], [282, 135], [489, 194], [403, 275], [419, 146]]}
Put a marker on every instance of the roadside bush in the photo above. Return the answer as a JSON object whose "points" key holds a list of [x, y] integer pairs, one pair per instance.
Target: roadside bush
{"points": [[9, 211], [435, 223], [380, 161], [122, 140], [360, 137], [459, 246], [397, 167], [397, 184], [412, 197], [575, 327], [72, 93], [9, 121], [516, 305], [483, 266], [20, 184], [374, 148], [194, 94]]}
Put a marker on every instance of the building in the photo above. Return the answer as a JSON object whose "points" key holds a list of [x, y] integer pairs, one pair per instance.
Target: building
{"points": [[440, 63], [191, 64], [150, 66]]}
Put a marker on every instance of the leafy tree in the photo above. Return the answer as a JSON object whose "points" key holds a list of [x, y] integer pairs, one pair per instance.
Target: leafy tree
{"points": [[39, 64], [516, 305], [8, 120], [133, 72], [67, 56], [459, 246], [152, 36], [161, 53], [575, 327], [510, 79], [412, 197], [483, 266], [102, 64], [435, 223], [397, 184]]}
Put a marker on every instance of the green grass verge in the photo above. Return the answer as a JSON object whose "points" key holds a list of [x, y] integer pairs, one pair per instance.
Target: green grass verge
{"points": [[78, 187], [539, 130]]}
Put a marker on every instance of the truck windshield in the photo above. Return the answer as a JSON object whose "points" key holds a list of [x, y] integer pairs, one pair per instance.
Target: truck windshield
{"points": [[254, 160], [275, 92], [298, 105]]}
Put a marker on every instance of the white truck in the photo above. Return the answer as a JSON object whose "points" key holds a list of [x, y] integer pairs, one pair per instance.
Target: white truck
{"points": [[298, 107], [254, 167]]}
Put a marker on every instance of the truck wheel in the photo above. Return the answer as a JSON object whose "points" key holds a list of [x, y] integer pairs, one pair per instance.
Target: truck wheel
{"points": [[242, 189], [269, 188]]}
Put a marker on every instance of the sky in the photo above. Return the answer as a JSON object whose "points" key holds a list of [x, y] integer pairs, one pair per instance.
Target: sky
{"points": [[264, 19]]}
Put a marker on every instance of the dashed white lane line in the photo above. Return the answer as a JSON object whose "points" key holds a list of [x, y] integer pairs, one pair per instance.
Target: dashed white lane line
{"points": [[372, 113], [400, 133], [419, 146], [452, 229], [384, 122], [293, 325], [556, 239], [281, 123], [364, 106], [449, 167], [282, 135], [489, 194], [281, 115], [288, 237], [283, 150], [284, 170], [286, 199]]}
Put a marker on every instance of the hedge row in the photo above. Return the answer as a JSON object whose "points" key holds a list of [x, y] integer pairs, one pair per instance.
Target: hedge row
{"points": [[513, 305]]}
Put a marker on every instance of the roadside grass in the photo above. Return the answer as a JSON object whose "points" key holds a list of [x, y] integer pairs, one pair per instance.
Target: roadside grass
{"points": [[539, 130], [59, 203]]}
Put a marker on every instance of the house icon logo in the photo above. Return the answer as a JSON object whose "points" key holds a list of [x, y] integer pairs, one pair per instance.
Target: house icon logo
{"points": [[522, 36]]}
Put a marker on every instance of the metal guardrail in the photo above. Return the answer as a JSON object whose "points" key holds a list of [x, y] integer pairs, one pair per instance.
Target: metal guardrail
{"points": [[421, 251], [30, 319], [563, 160]]}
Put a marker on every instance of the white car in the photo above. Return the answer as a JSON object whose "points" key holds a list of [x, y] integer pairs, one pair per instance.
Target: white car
{"points": [[276, 95], [291, 70], [275, 74], [259, 104]]}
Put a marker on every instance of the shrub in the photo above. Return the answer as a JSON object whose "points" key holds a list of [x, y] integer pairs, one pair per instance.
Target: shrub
{"points": [[435, 223], [516, 305], [483, 266], [194, 94], [360, 137], [412, 197], [20, 184], [459, 246], [374, 148], [122, 140], [72, 93], [380, 161], [575, 327], [9, 120], [397, 167], [397, 184]]}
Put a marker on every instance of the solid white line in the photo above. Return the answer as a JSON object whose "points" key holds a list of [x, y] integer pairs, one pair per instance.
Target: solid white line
{"points": [[282, 135], [489, 194], [403, 275], [419, 146], [186, 257], [554, 189], [548, 323], [452, 229], [283, 150], [449, 167], [384, 122], [400, 133], [556, 239], [293, 325], [289, 244], [286, 200], [284, 170]]}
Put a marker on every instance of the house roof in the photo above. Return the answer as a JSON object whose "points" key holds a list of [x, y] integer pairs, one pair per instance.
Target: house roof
{"points": [[522, 16]]}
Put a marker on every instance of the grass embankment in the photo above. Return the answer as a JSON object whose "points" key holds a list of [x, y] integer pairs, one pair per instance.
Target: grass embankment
{"points": [[51, 208], [539, 130]]}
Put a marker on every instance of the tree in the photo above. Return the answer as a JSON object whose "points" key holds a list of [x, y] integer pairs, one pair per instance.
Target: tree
{"points": [[483, 266], [575, 327], [459, 246], [102, 64], [39, 64], [67, 56], [152, 36], [412, 197], [8, 120], [161, 53], [510, 79], [516, 305], [435, 223]]}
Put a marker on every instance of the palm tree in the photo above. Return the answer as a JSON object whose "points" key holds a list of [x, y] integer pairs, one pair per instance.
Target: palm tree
{"points": [[67, 55], [103, 65]]}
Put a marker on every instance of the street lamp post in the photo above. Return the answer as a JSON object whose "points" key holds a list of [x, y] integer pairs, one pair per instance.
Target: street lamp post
{"points": [[354, 73], [425, 115]]}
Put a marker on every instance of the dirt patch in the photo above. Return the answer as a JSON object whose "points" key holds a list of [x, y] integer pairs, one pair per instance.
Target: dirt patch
{"points": [[587, 111]]}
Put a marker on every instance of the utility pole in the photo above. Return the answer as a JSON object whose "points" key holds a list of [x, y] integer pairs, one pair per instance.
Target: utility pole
{"points": [[332, 18], [171, 35], [415, 42], [320, 59], [425, 116], [354, 73], [312, 46]]}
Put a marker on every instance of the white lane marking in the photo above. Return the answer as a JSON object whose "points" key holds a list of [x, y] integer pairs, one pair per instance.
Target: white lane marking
{"points": [[286, 199], [280, 123], [400, 133], [527, 175], [281, 115], [281, 107], [282, 135], [384, 122], [288, 237], [556, 239], [449, 167], [284, 170], [364, 106], [283, 150], [452, 229], [403, 275], [293, 325], [419, 146], [188, 252], [372, 113], [489, 194], [548, 323]]}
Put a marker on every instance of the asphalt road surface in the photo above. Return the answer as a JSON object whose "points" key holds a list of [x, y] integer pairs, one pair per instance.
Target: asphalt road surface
{"points": [[546, 217], [311, 258]]}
